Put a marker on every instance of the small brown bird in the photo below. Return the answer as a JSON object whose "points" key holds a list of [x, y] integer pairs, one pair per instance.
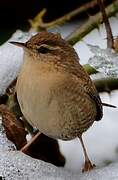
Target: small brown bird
{"points": [[54, 92]]}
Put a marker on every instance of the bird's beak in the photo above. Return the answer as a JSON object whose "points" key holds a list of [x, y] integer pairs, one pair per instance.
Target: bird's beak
{"points": [[19, 44]]}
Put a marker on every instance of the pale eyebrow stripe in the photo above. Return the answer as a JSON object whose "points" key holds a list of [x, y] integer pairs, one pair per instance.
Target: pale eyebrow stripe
{"points": [[49, 47]]}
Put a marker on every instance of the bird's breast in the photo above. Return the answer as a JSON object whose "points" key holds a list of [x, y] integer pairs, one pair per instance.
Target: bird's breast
{"points": [[54, 102], [35, 96]]}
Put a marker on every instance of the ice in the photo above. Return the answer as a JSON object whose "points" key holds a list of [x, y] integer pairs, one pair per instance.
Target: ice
{"points": [[5, 144], [104, 60], [15, 165], [11, 58]]}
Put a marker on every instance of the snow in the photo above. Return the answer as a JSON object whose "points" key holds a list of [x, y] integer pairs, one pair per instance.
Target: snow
{"points": [[100, 140], [18, 166], [11, 59]]}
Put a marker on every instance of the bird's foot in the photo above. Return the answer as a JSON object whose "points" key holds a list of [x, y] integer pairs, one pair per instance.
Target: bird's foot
{"points": [[88, 166]]}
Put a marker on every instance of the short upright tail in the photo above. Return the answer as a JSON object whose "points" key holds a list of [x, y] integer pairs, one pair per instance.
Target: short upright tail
{"points": [[109, 105]]}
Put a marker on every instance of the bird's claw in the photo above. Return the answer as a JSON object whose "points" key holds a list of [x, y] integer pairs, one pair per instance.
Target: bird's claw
{"points": [[88, 166]]}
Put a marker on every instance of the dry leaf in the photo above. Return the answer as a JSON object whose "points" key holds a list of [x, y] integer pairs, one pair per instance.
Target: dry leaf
{"points": [[14, 128]]}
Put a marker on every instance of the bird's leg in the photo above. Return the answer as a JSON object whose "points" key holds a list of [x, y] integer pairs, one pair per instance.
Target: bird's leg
{"points": [[25, 148], [87, 165]]}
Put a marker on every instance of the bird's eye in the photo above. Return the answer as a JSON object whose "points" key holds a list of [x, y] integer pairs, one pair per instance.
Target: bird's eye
{"points": [[43, 50]]}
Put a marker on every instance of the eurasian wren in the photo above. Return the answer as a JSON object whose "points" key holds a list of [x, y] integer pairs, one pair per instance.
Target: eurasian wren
{"points": [[55, 93]]}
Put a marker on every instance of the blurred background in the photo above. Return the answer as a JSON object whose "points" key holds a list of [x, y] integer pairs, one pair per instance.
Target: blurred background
{"points": [[15, 14]]}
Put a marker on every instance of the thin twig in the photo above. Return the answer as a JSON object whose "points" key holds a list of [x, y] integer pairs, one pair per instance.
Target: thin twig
{"points": [[26, 146], [110, 42]]}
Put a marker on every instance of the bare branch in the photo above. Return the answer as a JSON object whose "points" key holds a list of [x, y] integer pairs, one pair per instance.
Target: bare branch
{"points": [[91, 24], [110, 42], [37, 23]]}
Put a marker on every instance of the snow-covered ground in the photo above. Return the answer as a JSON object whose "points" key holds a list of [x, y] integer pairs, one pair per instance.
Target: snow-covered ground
{"points": [[101, 139]]}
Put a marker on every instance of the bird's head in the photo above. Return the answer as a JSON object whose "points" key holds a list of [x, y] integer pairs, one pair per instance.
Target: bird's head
{"points": [[46, 46]]}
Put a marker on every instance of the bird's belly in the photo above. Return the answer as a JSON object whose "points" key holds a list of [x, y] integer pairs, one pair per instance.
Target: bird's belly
{"points": [[45, 113], [38, 107]]}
